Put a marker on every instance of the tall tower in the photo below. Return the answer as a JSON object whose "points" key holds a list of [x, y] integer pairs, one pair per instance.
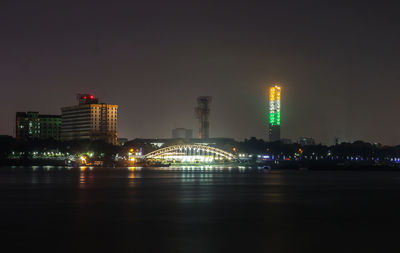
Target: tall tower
{"points": [[274, 113], [202, 112]]}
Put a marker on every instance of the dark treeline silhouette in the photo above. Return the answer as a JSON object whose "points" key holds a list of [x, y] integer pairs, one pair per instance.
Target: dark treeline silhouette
{"points": [[349, 152], [340, 151], [23, 150], [7, 144]]}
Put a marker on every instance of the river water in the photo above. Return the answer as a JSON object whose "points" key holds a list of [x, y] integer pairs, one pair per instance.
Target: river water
{"points": [[198, 209]]}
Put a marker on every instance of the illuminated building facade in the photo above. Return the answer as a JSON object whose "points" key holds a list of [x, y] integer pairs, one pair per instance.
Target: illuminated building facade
{"points": [[274, 112], [32, 125], [89, 120]]}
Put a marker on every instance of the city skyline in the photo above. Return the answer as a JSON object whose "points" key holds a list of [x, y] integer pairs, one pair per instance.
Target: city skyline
{"points": [[194, 125], [134, 55]]}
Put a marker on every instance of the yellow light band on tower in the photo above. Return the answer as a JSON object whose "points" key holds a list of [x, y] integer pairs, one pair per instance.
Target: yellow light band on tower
{"points": [[275, 106]]}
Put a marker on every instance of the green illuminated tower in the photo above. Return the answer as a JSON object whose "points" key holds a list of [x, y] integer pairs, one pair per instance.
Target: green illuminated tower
{"points": [[274, 113]]}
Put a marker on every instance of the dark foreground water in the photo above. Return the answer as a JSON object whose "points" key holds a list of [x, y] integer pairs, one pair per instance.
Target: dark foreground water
{"points": [[198, 210]]}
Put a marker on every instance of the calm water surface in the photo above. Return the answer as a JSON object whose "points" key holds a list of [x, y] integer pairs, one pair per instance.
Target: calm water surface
{"points": [[198, 210]]}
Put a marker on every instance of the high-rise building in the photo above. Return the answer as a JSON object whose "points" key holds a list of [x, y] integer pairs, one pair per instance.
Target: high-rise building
{"points": [[89, 120], [274, 113], [32, 125], [202, 112], [50, 126], [182, 133]]}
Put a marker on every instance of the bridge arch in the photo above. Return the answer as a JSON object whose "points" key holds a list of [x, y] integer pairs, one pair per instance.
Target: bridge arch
{"points": [[188, 153]]}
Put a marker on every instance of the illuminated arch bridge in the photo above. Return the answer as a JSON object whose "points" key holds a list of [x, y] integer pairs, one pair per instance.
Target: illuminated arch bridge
{"points": [[190, 153]]}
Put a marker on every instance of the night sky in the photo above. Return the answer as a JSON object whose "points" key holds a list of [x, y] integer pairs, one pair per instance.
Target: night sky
{"points": [[338, 63]]}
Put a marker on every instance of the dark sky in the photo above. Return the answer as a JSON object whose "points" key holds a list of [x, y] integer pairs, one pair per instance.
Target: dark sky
{"points": [[338, 63]]}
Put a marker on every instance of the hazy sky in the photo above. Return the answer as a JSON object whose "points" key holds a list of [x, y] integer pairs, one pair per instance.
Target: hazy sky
{"points": [[338, 63]]}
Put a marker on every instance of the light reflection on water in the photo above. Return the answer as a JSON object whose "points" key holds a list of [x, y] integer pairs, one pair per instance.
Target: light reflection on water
{"points": [[189, 208], [82, 178], [88, 175], [181, 169], [196, 177], [133, 175]]}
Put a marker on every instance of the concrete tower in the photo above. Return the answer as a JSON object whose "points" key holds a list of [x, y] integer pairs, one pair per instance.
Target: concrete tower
{"points": [[202, 112]]}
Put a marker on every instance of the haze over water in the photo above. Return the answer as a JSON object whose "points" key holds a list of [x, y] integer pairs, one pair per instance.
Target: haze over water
{"points": [[198, 210]]}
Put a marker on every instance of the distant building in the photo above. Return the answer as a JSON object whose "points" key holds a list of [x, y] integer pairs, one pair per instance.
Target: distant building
{"points": [[32, 125], [305, 141], [27, 126], [89, 120], [50, 126], [286, 141], [274, 114], [182, 133]]}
